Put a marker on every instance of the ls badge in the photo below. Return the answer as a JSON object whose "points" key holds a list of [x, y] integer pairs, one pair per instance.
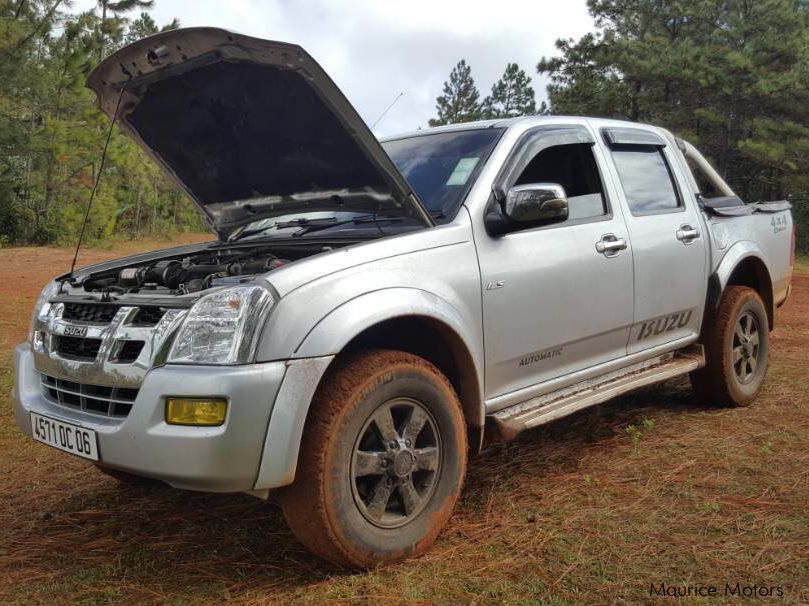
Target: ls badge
{"points": [[495, 285]]}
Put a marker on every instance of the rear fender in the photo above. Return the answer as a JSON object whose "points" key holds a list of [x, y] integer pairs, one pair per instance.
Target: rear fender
{"points": [[739, 253]]}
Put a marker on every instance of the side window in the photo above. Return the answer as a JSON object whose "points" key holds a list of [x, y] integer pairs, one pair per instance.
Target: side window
{"points": [[572, 166], [706, 187], [646, 179]]}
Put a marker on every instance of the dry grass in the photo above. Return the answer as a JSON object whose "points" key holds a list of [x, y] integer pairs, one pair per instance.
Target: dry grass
{"points": [[583, 511]]}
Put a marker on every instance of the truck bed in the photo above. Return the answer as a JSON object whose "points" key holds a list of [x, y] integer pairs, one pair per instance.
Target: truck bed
{"points": [[733, 206]]}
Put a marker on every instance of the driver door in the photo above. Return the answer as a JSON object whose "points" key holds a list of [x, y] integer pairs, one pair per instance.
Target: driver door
{"points": [[554, 304]]}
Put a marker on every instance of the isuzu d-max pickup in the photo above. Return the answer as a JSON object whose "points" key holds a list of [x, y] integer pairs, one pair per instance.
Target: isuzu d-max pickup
{"points": [[368, 308]]}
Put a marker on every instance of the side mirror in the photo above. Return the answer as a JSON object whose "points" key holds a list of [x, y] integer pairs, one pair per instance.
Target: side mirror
{"points": [[526, 206], [536, 204]]}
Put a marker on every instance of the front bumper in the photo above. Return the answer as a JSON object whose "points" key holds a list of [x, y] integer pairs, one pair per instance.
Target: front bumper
{"points": [[214, 459]]}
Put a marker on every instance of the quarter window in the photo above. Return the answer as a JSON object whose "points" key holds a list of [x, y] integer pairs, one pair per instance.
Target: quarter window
{"points": [[707, 188], [572, 166], [646, 179]]}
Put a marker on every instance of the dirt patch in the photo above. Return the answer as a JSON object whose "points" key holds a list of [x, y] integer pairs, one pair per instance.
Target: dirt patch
{"points": [[592, 509]]}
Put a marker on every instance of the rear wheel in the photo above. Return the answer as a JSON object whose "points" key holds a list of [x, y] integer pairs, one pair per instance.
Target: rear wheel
{"points": [[736, 344], [382, 461]]}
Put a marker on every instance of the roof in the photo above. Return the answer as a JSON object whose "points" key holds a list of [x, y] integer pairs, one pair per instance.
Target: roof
{"points": [[512, 122]]}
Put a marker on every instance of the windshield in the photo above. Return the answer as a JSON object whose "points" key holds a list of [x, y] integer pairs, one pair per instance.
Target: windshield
{"points": [[441, 167]]}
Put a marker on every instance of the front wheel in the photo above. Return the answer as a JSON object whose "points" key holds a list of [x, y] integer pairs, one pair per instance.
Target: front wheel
{"points": [[382, 460], [736, 344]]}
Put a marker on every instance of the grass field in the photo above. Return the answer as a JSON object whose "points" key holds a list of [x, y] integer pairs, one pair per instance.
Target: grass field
{"points": [[651, 488]]}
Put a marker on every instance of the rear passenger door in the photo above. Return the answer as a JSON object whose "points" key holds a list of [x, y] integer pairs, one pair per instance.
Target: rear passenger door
{"points": [[668, 246]]}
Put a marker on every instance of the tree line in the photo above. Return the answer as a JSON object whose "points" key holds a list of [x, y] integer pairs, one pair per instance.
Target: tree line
{"points": [[51, 133], [730, 76], [511, 96]]}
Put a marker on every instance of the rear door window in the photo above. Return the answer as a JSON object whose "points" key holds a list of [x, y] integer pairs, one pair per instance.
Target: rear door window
{"points": [[646, 179]]}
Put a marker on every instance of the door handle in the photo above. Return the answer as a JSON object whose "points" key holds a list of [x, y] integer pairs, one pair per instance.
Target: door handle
{"points": [[610, 245], [687, 234]]}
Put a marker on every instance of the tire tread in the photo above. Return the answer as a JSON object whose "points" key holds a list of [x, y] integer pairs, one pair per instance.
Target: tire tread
{"points": [[305, 502], [713, 383]]}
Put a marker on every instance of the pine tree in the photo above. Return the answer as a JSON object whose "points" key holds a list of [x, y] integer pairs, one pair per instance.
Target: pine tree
{"points": [[145, 26], [459, 103], [511, 95], [112, 25], [728, 75], [51, 135]]}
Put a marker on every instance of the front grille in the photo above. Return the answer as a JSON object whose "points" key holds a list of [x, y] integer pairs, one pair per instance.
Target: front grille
{"points": [[148, 316], [78, 347], [97, 313], [97, 399], [129, 351], [100, 313]]}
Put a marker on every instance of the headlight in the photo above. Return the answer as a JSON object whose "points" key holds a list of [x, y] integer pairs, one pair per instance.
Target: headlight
{"points": [[223, 327], [42, 307]]}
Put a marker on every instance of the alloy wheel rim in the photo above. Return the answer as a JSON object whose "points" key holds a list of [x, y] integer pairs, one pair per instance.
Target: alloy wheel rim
{"points": [[746, 347], [395, 463]]}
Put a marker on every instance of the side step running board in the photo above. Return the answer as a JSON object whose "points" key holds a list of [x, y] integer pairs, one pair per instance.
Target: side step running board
{"points": [[548, 407]]}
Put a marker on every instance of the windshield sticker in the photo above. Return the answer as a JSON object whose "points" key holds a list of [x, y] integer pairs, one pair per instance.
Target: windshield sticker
{"points": [[462, 171]]}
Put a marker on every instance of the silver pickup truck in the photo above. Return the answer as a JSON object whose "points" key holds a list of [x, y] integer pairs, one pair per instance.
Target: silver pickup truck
{"points": [[368, 308]]}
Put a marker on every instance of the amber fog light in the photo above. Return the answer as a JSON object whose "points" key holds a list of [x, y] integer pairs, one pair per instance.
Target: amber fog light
{"points": [[206, 412]]}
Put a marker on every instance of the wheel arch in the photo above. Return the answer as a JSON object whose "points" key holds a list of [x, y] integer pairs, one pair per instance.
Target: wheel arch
{"points": [[413, 320], [438, 343], [744, 265], [395, 318]]}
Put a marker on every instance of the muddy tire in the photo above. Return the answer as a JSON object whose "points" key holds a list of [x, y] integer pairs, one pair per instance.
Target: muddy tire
{"points": [[382, 461], [736, 340]]}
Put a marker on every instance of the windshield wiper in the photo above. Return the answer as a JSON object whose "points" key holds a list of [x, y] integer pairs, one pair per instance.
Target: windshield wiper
{"points": [[300, 221], [304, 221], [370, 218]]}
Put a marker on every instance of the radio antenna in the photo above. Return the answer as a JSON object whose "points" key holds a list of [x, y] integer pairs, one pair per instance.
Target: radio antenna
{"points": [[387, 110], [97, 180]]}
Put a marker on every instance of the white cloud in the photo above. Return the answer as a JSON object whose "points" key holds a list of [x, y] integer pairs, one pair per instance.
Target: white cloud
{"points": [[375, 50]]}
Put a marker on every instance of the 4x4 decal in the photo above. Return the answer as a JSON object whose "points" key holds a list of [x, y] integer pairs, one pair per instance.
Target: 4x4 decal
{"points": [[779, 223]]}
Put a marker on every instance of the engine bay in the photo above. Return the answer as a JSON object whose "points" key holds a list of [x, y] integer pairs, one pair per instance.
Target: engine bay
{"points": [[183, 275]]}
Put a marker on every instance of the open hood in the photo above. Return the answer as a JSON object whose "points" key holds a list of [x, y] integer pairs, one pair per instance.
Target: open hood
{"points": [[249, 128]]}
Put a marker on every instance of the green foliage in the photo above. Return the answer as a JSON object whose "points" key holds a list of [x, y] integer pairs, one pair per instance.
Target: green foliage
{"points": [[800, 212], [637, 435], [51, 134], [731, 76], [709, 507], [459, 102], [511, 95], [112, 25]]}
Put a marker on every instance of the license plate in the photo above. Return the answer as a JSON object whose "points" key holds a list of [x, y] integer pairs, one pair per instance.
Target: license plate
{"points": [[65, 436], [75, 331]]}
